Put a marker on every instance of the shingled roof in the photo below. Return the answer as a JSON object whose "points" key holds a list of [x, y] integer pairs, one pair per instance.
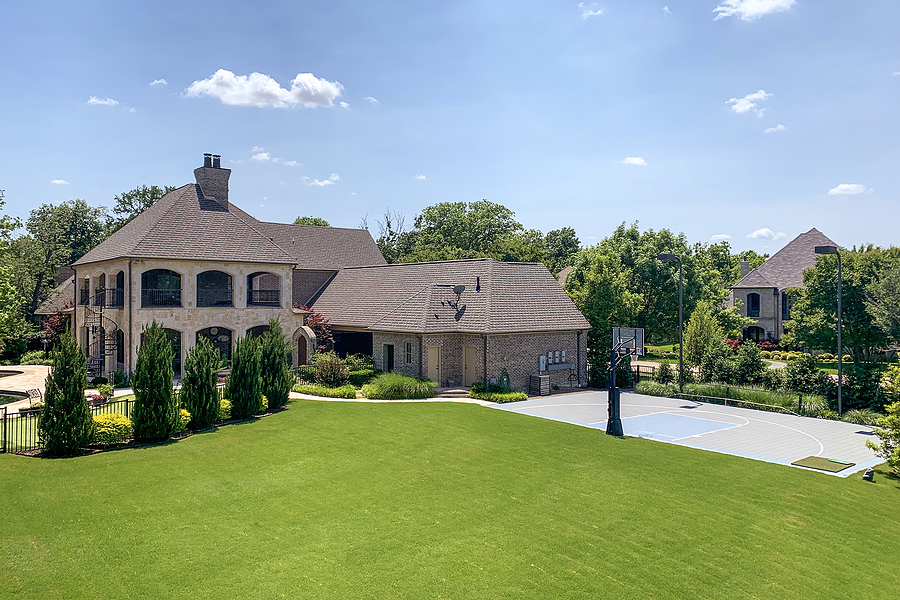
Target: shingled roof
{"points": [[785, 268], [187, 226], [419, 298], [60, 299]]}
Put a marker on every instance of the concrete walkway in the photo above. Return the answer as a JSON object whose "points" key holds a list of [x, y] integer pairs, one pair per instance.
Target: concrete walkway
{"points": [[24, 378]]}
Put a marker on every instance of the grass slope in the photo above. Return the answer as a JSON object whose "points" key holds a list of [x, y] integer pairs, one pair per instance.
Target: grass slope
{"points": [[355, 500]]}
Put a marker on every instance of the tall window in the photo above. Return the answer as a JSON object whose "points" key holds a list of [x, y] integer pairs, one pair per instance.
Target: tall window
{"points": [[160, 287], [220, 338], [214, 289], [408, 352], [753, 305], [785, 307], [115, 296], [263, 289]]}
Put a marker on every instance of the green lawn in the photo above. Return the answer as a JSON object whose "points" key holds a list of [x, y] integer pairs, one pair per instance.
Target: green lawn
{"points": [[432, 500]]}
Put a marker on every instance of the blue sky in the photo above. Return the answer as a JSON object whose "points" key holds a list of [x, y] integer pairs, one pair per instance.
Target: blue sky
{"points": [[737, 118]]}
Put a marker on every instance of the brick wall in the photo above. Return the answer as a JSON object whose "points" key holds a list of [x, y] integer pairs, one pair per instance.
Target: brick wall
{"points": [[518, 356], [306, 283], [452, 359], [399, 341]]}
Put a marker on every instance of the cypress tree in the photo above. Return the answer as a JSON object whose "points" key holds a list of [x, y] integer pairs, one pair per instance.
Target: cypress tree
{"points": [[65, 424], [198, 386], [155, 414], [277, 375], [244, 385]]}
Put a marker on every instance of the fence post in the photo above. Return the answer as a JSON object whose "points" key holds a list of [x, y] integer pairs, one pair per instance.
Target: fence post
{"points": [[799, 404], [3, 449]]}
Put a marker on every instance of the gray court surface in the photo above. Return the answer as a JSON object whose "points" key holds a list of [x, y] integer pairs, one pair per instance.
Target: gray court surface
{"points": [[767, 436]]}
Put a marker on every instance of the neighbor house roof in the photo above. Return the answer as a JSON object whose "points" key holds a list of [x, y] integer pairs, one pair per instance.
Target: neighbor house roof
{"points": [[60, 299], [185, 225], [419, 298], [785, 268]]}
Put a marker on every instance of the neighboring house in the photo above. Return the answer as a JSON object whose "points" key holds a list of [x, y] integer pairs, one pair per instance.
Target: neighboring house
{"points": [[762, 291], [202, 267], [61, 299], [459, 321]]}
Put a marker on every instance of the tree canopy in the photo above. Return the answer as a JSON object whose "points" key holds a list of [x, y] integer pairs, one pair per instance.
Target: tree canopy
{"points": [[130, 204], [318, 221]]}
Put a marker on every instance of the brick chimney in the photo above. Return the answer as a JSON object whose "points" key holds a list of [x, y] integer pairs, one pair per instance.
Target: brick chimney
{"points": [[745, 268], [213, 179]]}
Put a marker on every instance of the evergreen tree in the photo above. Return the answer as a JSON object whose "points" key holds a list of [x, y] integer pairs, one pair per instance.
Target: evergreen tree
{"points": [[244, 384], [65, 424], [155, 414], [198, 386], [277, 375], [702, 330]]}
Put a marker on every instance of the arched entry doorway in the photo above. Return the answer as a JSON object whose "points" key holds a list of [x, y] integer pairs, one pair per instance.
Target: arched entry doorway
{"points": [[754, 333], [220, 337], [304, 345]]}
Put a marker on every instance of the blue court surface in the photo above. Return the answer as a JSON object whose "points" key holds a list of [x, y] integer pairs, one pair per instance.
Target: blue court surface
{"points": [[766, 436]]}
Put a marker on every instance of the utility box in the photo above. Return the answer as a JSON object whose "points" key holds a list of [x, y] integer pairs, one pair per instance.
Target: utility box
{"points": [[539, 385]]}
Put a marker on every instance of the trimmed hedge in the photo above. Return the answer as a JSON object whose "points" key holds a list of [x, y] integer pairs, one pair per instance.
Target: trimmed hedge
{"points": [[111, 429], [346, 391], [499, 397], [225, 409]]}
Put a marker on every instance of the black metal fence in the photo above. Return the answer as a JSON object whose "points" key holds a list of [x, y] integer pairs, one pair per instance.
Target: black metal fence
{"points": [[19, 429], [306, 374]]}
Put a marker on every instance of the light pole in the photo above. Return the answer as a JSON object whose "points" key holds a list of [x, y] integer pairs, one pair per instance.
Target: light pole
{"points": [[680, 318], [840, 347]]}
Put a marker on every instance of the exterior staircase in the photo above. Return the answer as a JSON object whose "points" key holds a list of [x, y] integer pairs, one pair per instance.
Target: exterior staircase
{"points": [[452, 392], [103, 331]]}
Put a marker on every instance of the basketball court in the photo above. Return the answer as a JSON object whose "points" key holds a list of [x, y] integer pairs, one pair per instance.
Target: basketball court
{"points": [[760, 435]]}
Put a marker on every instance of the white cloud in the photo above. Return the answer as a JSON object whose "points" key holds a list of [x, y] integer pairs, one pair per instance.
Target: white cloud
{"points": [[261, 90], [345, 105], [287, 163], [896, 73], [100, 101], [720, 237], [588, 10], [775, 129], [159, 82], [666, 9], [267, 157], [766, 234], [636, 161], [750, 10], [749, 102], [59, 182], [322, 182], [372, 100], [257, 149], [420, 177], [849, 189], [261, 157]]}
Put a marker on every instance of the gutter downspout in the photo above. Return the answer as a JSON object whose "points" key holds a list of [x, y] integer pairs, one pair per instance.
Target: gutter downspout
{"points": [[484, 360], [421, 344], [130, 307], [578, 354]]}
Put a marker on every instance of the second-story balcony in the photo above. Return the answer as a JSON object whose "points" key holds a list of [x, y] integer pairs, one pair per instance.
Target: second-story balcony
{"points": [[214, 297], [156, 297], [115, 298], [264, 298]]}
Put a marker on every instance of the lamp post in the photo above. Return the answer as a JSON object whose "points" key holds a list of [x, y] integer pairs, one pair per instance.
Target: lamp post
{"points": [[840, 347], [680, 318]]}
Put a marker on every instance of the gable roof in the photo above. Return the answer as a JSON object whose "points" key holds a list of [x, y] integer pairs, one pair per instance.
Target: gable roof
{"points": [[785, 268], [58, 298], [185, 225], [418, 298]]}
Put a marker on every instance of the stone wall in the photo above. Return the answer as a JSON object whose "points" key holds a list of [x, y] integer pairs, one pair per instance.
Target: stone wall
{"points": [[769, 309]]}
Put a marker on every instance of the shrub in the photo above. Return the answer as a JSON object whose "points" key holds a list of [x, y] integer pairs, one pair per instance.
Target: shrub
{"points": [[766, 354], [346, 391], [888, 432], [803, 377], [111, 429], [813, 406], [276, 373], [862, 416], [35, 357], [106, 390], [120, 379], [224, 409], [359, 362], [99, 381], [768, 345], [35, 405], [361, 377], [716, 364], [749, 365], [499, 397], [394, 386], [829, 414], [155, 414], [653, 388], [735, 345], [330, 370], [198, 386], [244, 385], [184, 417], [826, 357], [65, 423], [664, 374], [861, 388], [847, 359]]}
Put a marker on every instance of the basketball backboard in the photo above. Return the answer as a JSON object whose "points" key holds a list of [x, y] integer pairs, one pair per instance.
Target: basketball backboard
{"points": [[628, 340]]}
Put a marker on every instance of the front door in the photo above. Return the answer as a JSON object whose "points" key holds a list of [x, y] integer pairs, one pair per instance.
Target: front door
{"points": [[468, 365], [301, 351], [388, 358], [434, 363]]}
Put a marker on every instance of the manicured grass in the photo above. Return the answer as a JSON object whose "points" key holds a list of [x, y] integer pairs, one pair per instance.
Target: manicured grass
{"points": [[433, 500]]}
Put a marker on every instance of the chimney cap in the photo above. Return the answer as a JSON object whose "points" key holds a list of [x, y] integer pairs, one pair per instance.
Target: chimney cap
{"points": [[207, 159], [217, 161]]}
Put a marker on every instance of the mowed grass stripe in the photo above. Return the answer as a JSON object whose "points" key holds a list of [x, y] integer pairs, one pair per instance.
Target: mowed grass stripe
{"points": [[354, 500]]}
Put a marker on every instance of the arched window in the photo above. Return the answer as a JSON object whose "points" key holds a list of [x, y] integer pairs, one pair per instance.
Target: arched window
{"points": [[160, 287], [115, 296], [220, 338], [785, 307], [753, 305], [120, 346], [175, 340], [755, 333], [214, 289], [258, 331], [85, 291], [100, 291], [263, 289]]}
